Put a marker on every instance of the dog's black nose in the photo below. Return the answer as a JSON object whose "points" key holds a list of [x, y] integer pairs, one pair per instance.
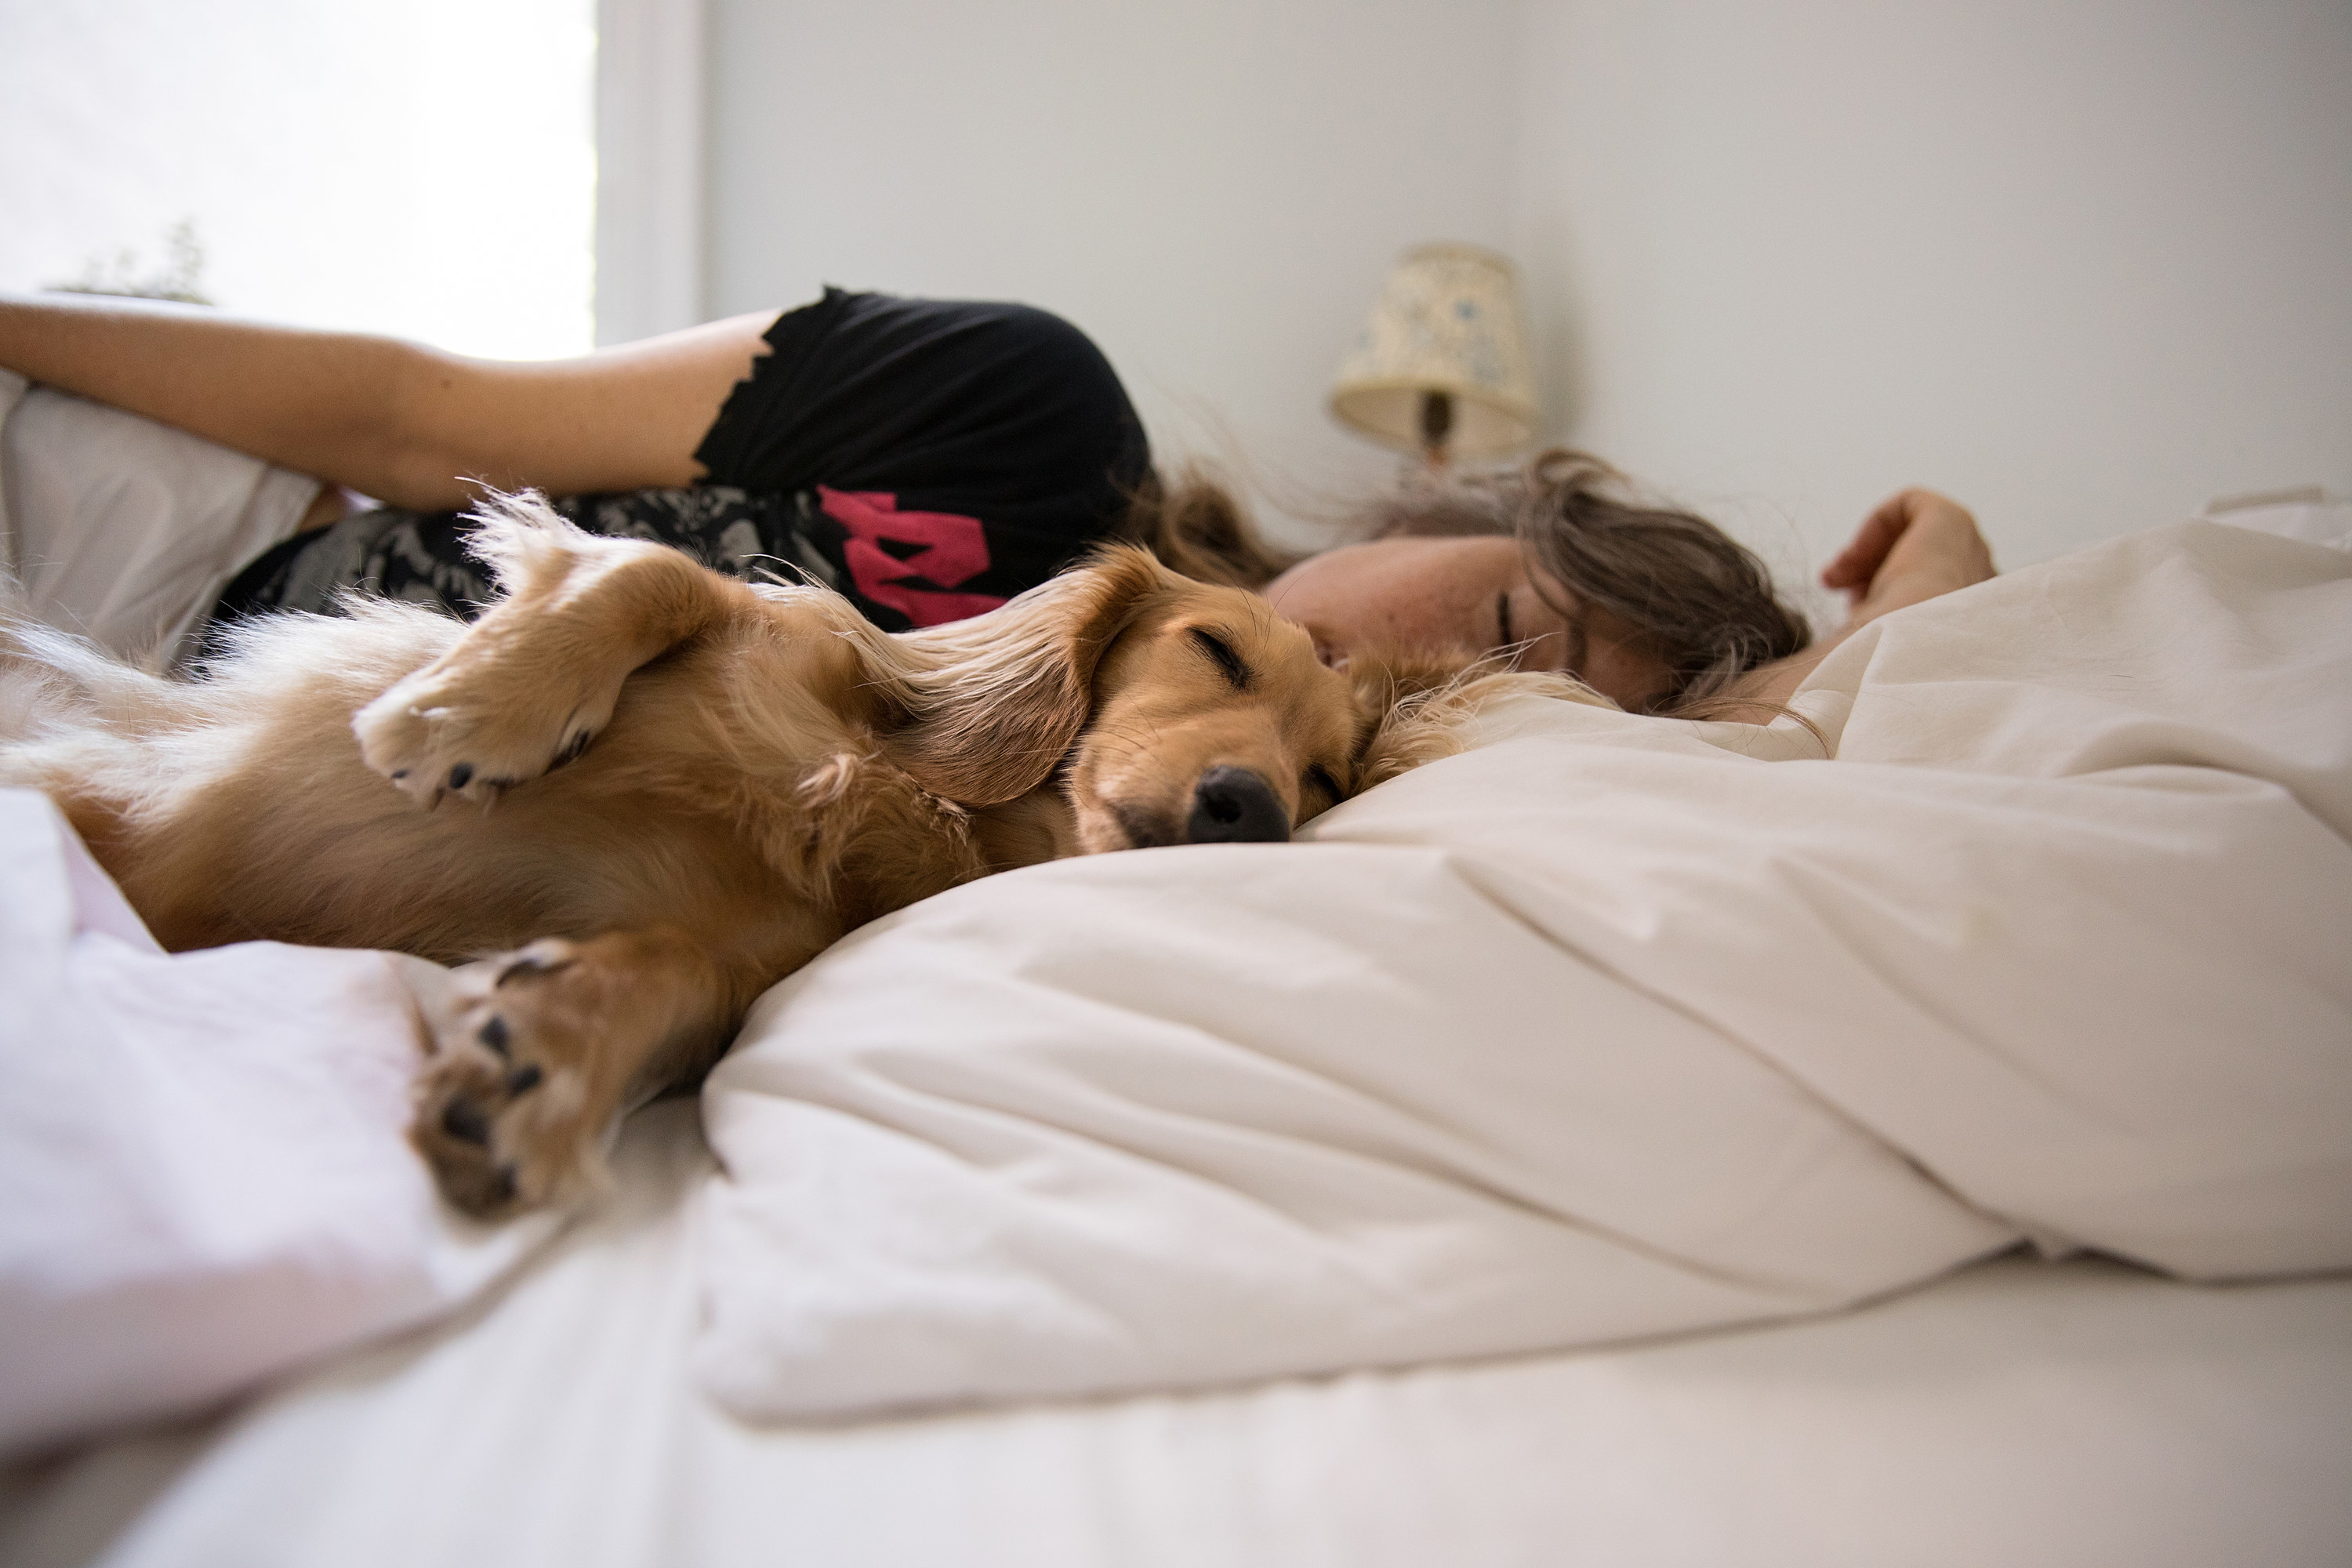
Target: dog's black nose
{"points": [[1234, 806]]}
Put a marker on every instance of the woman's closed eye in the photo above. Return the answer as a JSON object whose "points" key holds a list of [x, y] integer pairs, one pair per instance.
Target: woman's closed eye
{"points": [[1533, 632]]}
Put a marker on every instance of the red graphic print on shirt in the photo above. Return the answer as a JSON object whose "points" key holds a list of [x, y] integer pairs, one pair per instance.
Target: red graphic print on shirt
{"points": [[954, 550]]}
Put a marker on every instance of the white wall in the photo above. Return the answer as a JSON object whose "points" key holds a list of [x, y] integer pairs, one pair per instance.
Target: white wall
{"points": [[1213, 190], [651, 69], [2083, 264], [420, 167]]}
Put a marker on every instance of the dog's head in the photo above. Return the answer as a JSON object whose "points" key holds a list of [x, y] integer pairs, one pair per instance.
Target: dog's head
{"points": [[1212, 722], [1166, 710]]}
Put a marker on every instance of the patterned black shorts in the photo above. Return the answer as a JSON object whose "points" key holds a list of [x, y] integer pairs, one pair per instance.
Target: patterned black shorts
{"points": [[421, 557]]}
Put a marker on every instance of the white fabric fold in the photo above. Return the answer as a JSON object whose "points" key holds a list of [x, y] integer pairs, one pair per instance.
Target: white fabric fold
{"points": [[203, 1176]]}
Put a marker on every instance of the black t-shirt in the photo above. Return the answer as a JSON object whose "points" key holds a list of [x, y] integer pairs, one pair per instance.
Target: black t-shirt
{"points": [[928, 459]]}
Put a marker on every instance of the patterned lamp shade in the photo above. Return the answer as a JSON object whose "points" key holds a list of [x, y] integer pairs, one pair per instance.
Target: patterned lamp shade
{"points": [[1442, 366]]}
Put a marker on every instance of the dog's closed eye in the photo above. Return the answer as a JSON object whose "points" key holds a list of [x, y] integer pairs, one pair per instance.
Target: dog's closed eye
{"points": [[1319, 777], [1222, 653]]}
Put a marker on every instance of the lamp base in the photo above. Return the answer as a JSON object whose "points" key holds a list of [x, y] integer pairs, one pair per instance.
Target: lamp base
{"points": [[1436, 424]]}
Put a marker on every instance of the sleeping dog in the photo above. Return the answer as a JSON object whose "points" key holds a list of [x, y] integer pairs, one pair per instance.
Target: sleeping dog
{"points": [[648, 791]]}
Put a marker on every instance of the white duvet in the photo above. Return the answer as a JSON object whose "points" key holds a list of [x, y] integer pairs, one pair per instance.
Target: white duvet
{"points": [[1610, 1027]]}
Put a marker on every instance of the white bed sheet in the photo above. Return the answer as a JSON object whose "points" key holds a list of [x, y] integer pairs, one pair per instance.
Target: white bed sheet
{"points": [[2078, 1412]]}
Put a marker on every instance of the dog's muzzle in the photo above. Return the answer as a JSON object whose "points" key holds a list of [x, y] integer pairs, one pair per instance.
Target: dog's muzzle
{"points": [[1234, 806]]}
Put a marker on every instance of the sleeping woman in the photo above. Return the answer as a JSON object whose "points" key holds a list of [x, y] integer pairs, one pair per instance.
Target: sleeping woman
{"points": [[930, 459]]}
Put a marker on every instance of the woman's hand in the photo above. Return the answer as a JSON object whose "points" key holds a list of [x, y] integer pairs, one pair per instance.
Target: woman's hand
{"points": [[1918, 546]]}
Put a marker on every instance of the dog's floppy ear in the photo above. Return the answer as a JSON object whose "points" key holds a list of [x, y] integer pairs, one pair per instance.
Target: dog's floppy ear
{"points": [[1419, 707], [994, 704], [1402, 697]]}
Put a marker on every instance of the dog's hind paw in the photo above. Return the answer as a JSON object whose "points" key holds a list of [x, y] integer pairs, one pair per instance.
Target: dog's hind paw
{"points": [[511, 1112]]}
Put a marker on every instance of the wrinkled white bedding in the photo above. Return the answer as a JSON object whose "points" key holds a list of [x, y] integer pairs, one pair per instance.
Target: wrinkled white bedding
{"points": [[2079, 1412], [1608, 1028], [203, 1180]]}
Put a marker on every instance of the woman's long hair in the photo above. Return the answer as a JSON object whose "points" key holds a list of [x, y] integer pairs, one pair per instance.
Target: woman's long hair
{"points": [[1197, 527], [1695, 599]]}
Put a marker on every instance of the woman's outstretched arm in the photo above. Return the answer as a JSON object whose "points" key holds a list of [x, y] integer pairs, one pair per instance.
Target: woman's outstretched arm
{"points": [[1918, 546], [395, 420]]}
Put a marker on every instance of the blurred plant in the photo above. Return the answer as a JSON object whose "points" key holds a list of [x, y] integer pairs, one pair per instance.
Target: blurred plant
{"points": [[180, 277]]}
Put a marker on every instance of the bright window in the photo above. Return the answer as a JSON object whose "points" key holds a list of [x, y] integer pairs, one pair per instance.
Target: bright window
{"points": [[424, 168]]}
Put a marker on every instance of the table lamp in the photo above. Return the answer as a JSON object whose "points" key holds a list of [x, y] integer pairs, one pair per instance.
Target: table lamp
{"points": [[1442, 366]]}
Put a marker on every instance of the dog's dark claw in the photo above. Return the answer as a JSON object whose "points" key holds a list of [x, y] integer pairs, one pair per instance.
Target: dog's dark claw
{"points": [[399, 773], [465, 1121], [461, 775], [572, 747], [523, 1079], [494, 1034]]}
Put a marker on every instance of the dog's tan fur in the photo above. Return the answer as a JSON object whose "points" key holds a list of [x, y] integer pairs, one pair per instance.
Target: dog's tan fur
{"points": [[767, 771]]}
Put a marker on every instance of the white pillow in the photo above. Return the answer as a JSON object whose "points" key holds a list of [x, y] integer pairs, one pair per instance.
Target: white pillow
{"points": [[124, 531]]}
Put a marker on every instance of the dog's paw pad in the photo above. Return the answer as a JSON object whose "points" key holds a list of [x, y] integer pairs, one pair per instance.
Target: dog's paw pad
{"points": [[505, 1112], [467, 1122]]}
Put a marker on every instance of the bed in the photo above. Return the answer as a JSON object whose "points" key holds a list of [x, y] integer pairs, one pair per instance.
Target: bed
{"points": [[2077, 1412], [1919, 1129]]}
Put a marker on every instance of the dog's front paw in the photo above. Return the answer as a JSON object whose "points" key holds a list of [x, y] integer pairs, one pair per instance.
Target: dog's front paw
{"points": [[511, 1112], [442, 732]]}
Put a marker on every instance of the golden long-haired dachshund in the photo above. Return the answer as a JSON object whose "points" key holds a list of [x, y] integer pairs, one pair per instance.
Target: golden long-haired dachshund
{"points": [[649, 791]]}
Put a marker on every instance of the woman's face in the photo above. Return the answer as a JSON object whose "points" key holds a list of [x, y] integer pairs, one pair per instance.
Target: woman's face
{"points": [[1448, 595]]}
